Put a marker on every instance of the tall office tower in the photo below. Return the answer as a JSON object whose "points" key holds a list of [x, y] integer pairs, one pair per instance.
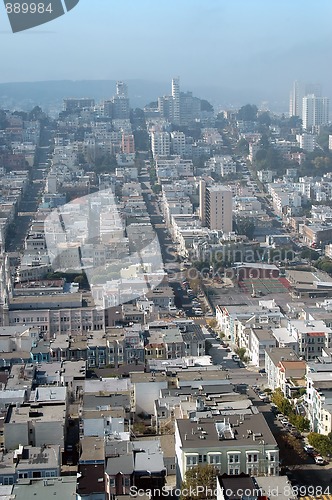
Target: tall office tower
{"points": [[315, 112], [160, 144], [295, 99], [215, 206], [121, 89], [176, 100]]}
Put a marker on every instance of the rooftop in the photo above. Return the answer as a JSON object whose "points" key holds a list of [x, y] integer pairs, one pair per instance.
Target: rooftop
{"points": [[30, 489], [213, 432]]}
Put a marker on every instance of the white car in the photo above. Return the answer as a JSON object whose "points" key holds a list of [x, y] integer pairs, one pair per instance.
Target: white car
{"points": [[319, 460], [262, 395]]}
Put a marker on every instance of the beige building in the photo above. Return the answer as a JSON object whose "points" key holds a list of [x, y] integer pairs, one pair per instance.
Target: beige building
{"points": [[216, 207]]}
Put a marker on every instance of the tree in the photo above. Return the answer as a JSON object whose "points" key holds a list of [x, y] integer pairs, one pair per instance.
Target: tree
{"points": [[241, 352], [264, 118], [310, 254], [153, 104], [282, 403], [321, 443], [242, 147], [196, 478], [295, 122], [36, 114], [246, 227], [213, 323], [248, 113], [142, 141], [206, 106], [300, 422]]}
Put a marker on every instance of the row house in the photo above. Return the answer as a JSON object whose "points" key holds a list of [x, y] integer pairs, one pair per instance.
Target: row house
{"points": [[233, 445], [273, 358], [319, 396]]}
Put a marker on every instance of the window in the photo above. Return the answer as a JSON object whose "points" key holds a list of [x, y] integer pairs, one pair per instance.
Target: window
{"points": [[252, 457], [233, 458], [112, 482], [191, 460], [202, 458], [214, 459]]}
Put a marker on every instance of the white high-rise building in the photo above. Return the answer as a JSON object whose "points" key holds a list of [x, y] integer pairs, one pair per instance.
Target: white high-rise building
{"points": [[176, 100], [315, 112], [215, 205], [295, 99], [160, 143], [298, 92], [121, 89]]}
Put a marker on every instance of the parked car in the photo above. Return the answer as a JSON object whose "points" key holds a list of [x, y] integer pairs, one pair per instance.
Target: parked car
{"points": [[319, 460], [280, 417], [309, 449], [262, 370], [262, 395]]}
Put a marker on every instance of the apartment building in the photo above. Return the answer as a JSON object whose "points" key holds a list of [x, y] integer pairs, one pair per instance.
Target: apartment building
{"points": [[234, 445], [215, 207]]}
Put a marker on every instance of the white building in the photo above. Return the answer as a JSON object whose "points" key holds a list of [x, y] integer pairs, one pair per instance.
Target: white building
{"points": [[176, 100], [160, 143], [315, 111], [234, 445], [307, 142]]}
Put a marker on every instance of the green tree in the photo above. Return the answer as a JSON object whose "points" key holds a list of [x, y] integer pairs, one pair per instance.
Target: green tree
{"points": [[310, 254], [241, 352], [300, 422], [283, 404], [206, 106], [264, 118], [321, 443], [242, 147], [36, 114], [142, 142], [246, 227], [196, 478], [248, 113]]}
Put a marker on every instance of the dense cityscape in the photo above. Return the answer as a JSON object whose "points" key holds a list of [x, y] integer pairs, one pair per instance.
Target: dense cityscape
{"points": [[166, 299]]}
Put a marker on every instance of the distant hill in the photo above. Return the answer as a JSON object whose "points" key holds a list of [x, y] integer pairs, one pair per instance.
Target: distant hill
{"points": [[49, 94]]}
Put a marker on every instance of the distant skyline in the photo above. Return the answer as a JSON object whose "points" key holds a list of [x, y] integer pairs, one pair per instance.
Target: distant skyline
{"points": [[253, 47]]}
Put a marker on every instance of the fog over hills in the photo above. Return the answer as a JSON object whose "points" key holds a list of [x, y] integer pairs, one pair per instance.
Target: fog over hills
{"points": [[49, 94]]}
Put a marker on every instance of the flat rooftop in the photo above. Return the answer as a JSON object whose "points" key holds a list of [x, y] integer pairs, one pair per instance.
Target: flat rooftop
{"points": [[190, 434], [40, 413]]}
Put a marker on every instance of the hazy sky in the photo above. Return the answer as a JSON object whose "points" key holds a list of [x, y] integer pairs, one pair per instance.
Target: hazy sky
{"points": [[238, 44]]}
